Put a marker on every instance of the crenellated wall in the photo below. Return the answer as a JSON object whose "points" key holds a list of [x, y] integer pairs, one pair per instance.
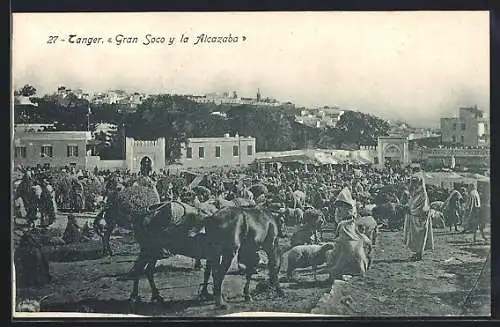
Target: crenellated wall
{"points": [[136, 150]]}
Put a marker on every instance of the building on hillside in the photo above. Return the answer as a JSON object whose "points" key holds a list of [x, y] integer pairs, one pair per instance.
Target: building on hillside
{"points": [[320, 118], [33, 127], [470, 128], [424, 134], [225, 98], [105, 128], [24, 101], [209, 152], [51, 149]]}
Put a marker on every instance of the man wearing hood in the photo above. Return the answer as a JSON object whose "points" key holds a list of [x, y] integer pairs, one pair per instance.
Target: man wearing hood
{"points": [[452, 208], [345, 206], [418, 235], [473, 217], [352, 249]]}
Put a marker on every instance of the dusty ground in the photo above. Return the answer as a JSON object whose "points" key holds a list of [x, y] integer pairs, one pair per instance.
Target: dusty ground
{"points": [[437, 286], [94, 286]]}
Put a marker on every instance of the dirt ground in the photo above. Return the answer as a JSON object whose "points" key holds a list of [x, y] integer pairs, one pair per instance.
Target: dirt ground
{"points": [[95, 286], [440, 285]]}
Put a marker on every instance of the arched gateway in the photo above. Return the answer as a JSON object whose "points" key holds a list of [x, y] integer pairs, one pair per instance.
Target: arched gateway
{"points": [[393, 149], [145, 155]]}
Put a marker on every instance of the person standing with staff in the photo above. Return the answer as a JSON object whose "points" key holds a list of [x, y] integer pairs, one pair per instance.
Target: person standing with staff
{"points": [[418, 234], [474, 219]]}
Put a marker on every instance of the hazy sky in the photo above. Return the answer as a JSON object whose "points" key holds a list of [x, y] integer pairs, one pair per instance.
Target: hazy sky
{"points": [[416, 66]]}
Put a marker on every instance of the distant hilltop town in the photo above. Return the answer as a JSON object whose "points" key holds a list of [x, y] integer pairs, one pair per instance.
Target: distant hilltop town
{"points": [[109, 97], [133, 99], [233, 98], [470, 128]]}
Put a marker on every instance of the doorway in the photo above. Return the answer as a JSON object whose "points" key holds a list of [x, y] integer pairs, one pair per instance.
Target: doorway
{"points": [[146, 166]]}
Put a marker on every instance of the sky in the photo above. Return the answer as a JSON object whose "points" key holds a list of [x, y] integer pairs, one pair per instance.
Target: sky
{"points": [[414, 66]]}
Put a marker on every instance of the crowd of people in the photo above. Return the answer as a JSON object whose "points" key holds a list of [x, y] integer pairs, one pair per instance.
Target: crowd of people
{"points": [[341, 193]]}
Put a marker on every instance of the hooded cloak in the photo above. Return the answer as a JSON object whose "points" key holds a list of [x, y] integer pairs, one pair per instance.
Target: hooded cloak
{"points": [[418, 234]]}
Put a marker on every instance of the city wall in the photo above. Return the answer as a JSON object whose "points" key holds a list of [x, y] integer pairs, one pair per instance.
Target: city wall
{"points": [[463, 156]]}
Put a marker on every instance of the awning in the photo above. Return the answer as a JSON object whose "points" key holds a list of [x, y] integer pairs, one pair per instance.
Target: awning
{"points": [[303, 159], [325, 160]]}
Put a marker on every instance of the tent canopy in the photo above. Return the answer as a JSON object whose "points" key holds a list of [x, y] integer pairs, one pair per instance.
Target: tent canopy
{"points": [[303, 159], [448, 178]]}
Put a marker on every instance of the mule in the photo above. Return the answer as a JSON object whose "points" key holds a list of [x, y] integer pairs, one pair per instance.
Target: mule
{"points": [[156, 233], [173, 211], [242, 231]]}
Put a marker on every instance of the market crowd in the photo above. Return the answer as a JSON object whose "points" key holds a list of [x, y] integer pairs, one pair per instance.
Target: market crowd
{"points": [[341, 194]]}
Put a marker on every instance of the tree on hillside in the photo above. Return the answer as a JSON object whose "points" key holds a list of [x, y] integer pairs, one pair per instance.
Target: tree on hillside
{"points": [[111, 145], [163, 116], [70, 115], [271, 128], [357, 128], [26, 91]]}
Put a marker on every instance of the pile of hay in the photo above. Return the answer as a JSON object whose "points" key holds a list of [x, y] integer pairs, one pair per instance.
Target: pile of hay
{"points": [[132, 202]]}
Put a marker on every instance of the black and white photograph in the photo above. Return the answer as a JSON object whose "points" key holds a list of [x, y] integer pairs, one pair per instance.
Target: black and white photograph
{"points": [[250, 164]]}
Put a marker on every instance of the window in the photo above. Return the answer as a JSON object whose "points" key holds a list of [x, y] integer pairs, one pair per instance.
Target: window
{"points": [[46, 151], [217, 151], [454, 139], [201, 152], [73, 164], [462, 139], [235, 151], [20, 152], [189, 152], [463, 126], [72, 151], [455, 126], [249, 150]]}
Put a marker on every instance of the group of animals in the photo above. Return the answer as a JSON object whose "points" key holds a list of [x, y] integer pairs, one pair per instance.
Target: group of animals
{"points": [[220, 229]]}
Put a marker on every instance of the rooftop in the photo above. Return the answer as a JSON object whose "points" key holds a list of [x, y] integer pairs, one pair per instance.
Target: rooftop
{"points": [[224, 138], [53, 136]]}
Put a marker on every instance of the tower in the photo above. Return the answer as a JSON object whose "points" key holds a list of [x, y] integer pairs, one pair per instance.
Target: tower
{"points": [[258, 95]]}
